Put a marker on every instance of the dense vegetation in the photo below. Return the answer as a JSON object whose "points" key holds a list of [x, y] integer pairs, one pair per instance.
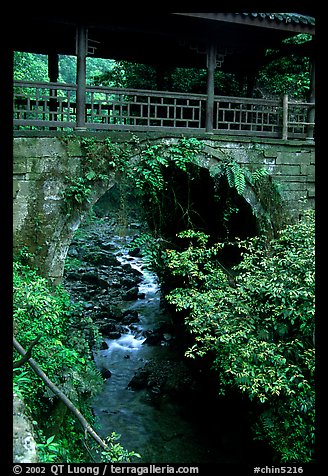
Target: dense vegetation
{"points": [[64, 353], [255, 322], [258, 329]]}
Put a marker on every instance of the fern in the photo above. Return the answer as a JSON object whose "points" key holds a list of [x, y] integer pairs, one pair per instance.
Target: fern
{"points": [[237, 176], [259, 174]]}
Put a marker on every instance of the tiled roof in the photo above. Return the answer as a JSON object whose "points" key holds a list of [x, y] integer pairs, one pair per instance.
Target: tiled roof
{"points": [[293, 18]]}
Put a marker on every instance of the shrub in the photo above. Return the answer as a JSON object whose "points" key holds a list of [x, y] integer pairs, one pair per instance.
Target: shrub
{"points": [[64, 353], [260, 329]]}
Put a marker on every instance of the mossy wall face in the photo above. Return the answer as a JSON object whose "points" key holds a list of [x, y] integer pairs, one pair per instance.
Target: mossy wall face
{"points": [[41, 222], [41, 165], [290, 164]]}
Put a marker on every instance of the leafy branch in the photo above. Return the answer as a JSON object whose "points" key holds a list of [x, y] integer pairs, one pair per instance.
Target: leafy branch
{"points": [[87, 428]]}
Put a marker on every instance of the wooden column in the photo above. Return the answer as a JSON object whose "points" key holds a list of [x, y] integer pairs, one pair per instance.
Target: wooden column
{"points": [[81, 46], [285, 117], [53, 73], [211, 65], [53, 67], [311, 112]]}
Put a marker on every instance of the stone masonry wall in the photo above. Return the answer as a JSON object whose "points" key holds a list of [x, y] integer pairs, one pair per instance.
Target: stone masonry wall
{"points": [[290, 164], [40, 220], [42, 163]]}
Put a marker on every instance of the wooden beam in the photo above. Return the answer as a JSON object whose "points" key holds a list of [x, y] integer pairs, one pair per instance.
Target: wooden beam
{"points": [[81, 46], [258, 21]]}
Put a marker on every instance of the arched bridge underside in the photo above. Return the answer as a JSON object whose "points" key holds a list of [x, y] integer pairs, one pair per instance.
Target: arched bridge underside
{"points": [[45, 163]]}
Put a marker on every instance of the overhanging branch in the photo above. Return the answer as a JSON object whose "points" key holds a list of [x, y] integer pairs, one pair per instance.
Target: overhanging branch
{"points": [[87, 428]]}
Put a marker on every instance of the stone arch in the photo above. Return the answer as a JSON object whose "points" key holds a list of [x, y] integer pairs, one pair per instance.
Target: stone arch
{"points": [[210, 160], [41, 164], [63, 233]]}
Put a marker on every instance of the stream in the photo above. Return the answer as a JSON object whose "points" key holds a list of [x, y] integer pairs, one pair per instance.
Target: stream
{"points": [[156, 428], [161, 406]]}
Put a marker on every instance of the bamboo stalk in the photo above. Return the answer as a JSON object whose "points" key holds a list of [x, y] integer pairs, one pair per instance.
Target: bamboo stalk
{"points": [[87, 428]]}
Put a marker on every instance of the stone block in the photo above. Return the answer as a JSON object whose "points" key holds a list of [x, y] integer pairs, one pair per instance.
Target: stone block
{"points": [[20, 166], [311, 190], [285, 170], [297, 186], [292, 158], [270, 152], [308, 170], [37, 147], [292, 195]]}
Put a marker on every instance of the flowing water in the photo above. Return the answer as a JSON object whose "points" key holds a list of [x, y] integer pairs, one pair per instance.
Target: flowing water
{"points": [[194, 429]]}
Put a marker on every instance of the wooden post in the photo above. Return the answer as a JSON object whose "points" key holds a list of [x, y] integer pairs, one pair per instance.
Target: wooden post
{"points": [[211, 65], [81, 43], [285, 117], [53, 73], [53, 67], [311, 111]]}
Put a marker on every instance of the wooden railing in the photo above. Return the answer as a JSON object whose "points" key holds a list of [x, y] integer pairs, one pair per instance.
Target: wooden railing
{"points": [[53, 106]]}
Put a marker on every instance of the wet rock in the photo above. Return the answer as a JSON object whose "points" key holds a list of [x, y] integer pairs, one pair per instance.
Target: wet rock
{"points": [[102, 282], [162, 378], [130, 318], [140, 379], [131, 294], [114, 313], [153, 338], [131, 312], [105, 373], [135, 252], [109, 328], [107, 245], [90, 277], [114, 335], [128, 282], [73, 276], [99, 258], [73, 252], [104, 345]]}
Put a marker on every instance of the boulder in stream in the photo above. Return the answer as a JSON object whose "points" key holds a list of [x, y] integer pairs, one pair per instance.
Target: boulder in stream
{"points": [[131, 294]]}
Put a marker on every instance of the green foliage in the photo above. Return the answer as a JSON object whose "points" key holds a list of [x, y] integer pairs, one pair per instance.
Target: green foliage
{"points": [[77, 190], [64, 352], [49, 450], [286, 75], [259, 331], [238, 176], [148, 173], [117, 454], [30, 67], [37, 310], [34, 67]]}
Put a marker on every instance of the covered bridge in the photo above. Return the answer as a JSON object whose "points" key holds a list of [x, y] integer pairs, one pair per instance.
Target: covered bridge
{"points": [[234, 42]]}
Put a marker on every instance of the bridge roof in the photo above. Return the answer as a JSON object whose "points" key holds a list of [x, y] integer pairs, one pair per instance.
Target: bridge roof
{"points": [[176, 39]]}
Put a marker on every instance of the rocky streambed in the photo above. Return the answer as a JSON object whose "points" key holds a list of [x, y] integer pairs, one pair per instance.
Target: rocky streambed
{"points": [[163, 407]]}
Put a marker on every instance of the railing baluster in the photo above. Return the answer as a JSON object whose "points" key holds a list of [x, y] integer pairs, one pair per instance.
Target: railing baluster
{"points": [[131, 109]]}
